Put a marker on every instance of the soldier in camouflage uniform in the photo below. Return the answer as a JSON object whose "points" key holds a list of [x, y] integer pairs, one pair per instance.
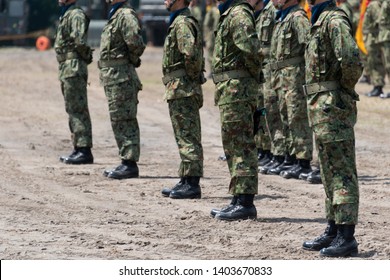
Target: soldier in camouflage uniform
{"points": [[210, 24], [121, 46], [374, 65], [183, 66], [384, 38], [262, 138], [236, 75], [264, 26], [287, 77], [73, 55], [333, 67]]}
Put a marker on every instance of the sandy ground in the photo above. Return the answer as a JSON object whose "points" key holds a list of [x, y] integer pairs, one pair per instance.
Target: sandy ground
{"points": [[50, 210]]}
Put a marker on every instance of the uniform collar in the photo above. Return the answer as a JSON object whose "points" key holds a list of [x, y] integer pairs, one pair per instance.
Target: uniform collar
{"points": [[174, 14], [64, 9], [282, 14], [316, 10]]}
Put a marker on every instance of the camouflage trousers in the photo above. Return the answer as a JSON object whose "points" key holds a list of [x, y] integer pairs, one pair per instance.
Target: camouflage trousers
{"points": [[122, 104], [274, 123], [74, 91], [375, 66], [295, 120], [239, 146], [262, 138], [185, 118], [339, 177], [386, 56]]}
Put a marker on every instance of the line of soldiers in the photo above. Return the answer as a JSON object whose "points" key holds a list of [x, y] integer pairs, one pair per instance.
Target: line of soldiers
{"points": [[279, 79]]}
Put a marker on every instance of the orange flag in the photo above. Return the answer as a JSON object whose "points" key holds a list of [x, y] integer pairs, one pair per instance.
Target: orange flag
{"points": [[307, 9], [359, 30]]}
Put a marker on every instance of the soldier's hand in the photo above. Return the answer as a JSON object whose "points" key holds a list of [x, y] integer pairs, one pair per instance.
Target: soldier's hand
{"points": [[138, 63]]}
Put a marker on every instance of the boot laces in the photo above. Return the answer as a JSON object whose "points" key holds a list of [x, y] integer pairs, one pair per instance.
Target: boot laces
{"points": [[338, 241]]}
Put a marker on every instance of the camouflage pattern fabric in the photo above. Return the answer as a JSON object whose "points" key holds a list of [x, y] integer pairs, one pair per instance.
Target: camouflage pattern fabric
{"points": [[339, 176], [332, 55], [290, 38], [122, 104], [348, 9], [384, 34], [71, 37], [183, 50], [210, 24], [262, 137], [237, 48], [121, 40], [374, 64], [265, 25], [185, 118]]}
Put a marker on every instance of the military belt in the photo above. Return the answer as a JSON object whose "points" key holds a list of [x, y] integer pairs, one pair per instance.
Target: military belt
{"points": [[112, 62], [228, 75], [320, 87], [288, 62], [65, 56], [172, 75]]}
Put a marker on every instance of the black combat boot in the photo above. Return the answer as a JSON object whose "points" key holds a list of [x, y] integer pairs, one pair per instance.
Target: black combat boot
{"points": [[167, 191], [243, 210], [189, 190], [266, 158], [72, 154], [78, 156], [376, 91], [324, 240], [343, 245], [127, 169], [302, 166], [314, 177], [215, 211], [289, 162], [275, 162]]}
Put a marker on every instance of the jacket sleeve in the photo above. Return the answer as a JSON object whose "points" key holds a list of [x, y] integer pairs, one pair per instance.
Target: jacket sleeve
{"points": [[131, 33], [345, 51], [246, 40], [186, 42], [78, 34]]}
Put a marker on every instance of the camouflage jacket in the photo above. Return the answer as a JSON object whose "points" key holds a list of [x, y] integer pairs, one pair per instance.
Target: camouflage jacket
{"points": [[183, 50], [384, 22], [121, 40], [264, 25], [371, 23], [348, 9], [71, 37], [286, 61], [290, 35], [237, 47], [332, 55]]}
